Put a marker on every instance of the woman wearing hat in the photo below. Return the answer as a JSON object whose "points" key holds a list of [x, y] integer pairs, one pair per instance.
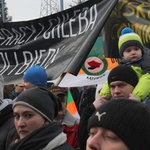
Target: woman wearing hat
{"points": [[34, 111]]}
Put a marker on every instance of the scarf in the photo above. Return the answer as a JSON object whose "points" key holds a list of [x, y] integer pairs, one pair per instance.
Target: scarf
{"points": [[38, 139]]}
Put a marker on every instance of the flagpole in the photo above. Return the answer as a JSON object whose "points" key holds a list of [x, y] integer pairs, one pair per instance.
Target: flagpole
{"points": [[63, 75], [59, 79]]}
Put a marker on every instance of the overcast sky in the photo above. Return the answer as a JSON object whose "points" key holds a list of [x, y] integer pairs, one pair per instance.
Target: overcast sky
{"points": [[22, 10]]}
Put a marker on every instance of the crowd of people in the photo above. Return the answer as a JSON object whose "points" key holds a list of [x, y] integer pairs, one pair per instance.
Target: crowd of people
{"points": [[35, 116]]}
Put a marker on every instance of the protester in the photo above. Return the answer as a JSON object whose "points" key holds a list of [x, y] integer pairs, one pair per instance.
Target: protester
{"points": [[68, 121], [34, 111], [133, 54], [18, 88], [121, 80], [121, 124], [7, 128], [35, 76]]}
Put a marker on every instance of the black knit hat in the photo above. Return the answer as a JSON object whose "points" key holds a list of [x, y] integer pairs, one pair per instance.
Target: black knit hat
{"points": [[128, 119], [41, 100], [123, 73]]}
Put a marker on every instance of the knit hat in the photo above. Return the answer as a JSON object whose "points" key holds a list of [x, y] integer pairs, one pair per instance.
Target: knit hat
{"points": [[36, 75], [128, 119], [129, 38], [123, 73], [40, 100]]}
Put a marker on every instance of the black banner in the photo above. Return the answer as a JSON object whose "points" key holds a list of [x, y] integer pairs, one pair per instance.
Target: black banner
{"points": [[59, 42], [127, 13]]}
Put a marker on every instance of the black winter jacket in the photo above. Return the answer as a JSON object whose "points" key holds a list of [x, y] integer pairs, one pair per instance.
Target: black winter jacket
{"points": [[7, 127]]}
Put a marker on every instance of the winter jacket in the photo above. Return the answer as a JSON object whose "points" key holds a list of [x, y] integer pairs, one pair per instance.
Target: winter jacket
{"points": [[7, 127], [86, 97], [49, 137]]}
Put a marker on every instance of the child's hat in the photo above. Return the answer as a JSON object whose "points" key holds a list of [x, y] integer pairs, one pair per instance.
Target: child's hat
{"points": [[129, 38]]}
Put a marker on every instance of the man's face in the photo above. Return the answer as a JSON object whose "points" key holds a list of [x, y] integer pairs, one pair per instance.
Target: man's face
{"points": [[104, 139], [120, 89]]}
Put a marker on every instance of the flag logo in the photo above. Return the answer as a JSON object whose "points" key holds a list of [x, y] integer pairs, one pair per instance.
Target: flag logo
{"points": [[71, 106]]}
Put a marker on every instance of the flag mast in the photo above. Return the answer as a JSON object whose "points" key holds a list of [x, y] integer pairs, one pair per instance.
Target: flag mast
{"points": [[61, 2]]}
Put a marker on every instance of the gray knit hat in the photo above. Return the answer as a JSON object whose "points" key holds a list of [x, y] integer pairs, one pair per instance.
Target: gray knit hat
{"points": [[129, 38], [40, 100], [128, 119]]}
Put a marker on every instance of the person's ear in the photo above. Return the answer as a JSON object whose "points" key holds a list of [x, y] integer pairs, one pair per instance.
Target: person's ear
{"points": [[46, 122]]}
